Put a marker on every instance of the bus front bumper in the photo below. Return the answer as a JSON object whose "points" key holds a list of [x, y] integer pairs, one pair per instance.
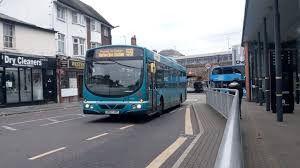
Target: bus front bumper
{"points": [[118, 108]]}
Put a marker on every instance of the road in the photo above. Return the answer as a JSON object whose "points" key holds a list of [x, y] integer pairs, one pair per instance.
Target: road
{"points": [[67, 138]]}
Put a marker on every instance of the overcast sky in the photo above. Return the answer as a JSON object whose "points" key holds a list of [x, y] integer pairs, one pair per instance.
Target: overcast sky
{"points": [[189, 26]]}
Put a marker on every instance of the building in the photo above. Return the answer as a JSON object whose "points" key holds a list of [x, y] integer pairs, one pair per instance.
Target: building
{"points": [[238, 55], [271, 38], [195, 64], [79, 27], [170, 52], [27, 63]]}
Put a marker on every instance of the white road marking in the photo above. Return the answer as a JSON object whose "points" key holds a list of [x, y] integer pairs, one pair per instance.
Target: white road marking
{"points": [[186, 152], [122, 128], [190, 147], [23, 122], [50, 119], [161, 158], [188, 122], [47, 153], [9, 128], [180, 108], [97, 136], [61, 121]]}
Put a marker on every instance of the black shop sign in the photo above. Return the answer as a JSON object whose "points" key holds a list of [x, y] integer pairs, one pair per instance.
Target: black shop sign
{"points": [[22, 61]]}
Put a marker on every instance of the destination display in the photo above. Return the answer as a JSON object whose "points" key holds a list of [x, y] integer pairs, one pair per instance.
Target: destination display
{"points": [[119, 52]]}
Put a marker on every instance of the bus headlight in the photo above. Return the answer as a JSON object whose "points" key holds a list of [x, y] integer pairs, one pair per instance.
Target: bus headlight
{"points": [[87, 106], [91, 107], [133, 106], [138, 106]]}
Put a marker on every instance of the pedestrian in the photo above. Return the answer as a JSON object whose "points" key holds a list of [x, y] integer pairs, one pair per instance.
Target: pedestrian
{"points": [[238, 86]]}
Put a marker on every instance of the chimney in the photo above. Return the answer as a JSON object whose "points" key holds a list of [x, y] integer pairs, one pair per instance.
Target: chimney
{"points": [[133, 40]]}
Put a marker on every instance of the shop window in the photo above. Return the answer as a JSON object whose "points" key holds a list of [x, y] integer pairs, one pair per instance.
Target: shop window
{"points": [[69, 80], [12, 85], [25, 84], [37, 79]]}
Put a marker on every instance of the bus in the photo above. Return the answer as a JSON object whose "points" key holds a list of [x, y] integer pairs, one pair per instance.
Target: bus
{"points": [[124, 79], [222, 76]]}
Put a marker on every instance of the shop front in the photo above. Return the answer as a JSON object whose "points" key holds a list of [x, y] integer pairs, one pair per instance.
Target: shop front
{"points": [[70, 75], [24, 80]]}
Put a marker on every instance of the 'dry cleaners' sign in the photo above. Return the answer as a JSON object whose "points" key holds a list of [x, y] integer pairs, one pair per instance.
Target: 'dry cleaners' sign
{"points": [[22, 61]]}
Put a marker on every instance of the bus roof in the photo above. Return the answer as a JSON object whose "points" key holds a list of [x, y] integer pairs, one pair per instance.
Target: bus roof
{"points": [[163, 59], [166, 60], [241, 65]]}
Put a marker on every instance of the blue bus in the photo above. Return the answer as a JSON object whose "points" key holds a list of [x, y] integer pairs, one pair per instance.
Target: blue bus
{"points": [[222, 76], [121, 79]]}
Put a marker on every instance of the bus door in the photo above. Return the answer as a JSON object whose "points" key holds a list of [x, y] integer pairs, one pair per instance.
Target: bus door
{"points": [[152, 90]]}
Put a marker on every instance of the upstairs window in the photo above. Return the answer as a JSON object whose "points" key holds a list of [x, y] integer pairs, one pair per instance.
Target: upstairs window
{"points": [[95, 44], [105, 32], [95, 26], [8, 35], [61, 13], [78, 46], [61, 43], [78, 19]]}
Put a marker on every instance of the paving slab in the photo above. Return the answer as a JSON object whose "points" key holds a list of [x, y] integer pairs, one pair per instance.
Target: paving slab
{"points": [[268, 143], [37, 108], [205, 151]]}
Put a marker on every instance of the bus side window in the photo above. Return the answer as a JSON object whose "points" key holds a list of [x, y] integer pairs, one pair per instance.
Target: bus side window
{"points": [[159, 76]]}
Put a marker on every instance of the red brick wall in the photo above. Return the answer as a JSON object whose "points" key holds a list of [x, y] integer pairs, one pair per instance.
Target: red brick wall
{"points": [[106, 40]]}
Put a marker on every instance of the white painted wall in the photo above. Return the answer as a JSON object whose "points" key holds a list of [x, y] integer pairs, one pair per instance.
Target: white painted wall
{"points": [[31, 41], [38, 12], [69, 29], [43, 13]]}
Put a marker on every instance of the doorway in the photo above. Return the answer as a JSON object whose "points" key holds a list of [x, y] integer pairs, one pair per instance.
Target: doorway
{"points": [[51, 86], [2, 89], [80, 83]]}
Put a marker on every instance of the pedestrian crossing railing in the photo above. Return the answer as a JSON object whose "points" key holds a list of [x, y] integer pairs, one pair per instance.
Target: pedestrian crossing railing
{"points": [[226, 102]]}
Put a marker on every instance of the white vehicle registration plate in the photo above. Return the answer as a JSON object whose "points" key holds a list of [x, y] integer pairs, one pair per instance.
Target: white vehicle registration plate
{"points": [[112, 112]]}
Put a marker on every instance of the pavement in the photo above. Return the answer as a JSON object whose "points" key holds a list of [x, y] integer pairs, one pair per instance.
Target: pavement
{"points": [[268, 143], [38, 108], [59, 135]]}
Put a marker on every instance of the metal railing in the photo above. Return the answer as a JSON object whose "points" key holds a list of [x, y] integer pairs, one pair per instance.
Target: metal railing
{"points": [[230, 150]]}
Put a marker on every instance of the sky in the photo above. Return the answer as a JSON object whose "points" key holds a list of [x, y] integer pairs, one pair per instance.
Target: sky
{"points": [[189, 26]]}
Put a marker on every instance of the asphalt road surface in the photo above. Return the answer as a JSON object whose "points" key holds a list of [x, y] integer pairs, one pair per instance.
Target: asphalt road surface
{"points": [[68, 139]]}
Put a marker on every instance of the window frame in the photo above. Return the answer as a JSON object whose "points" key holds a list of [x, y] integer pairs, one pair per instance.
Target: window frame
{"points": [[96, 44], [80, 46], [105, 32], [12, 36], [80, 18], [61, 39], [61, 16]]}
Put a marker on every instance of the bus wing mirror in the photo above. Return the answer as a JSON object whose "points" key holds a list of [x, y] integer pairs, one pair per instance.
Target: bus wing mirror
{"points": [[153, 68]]}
